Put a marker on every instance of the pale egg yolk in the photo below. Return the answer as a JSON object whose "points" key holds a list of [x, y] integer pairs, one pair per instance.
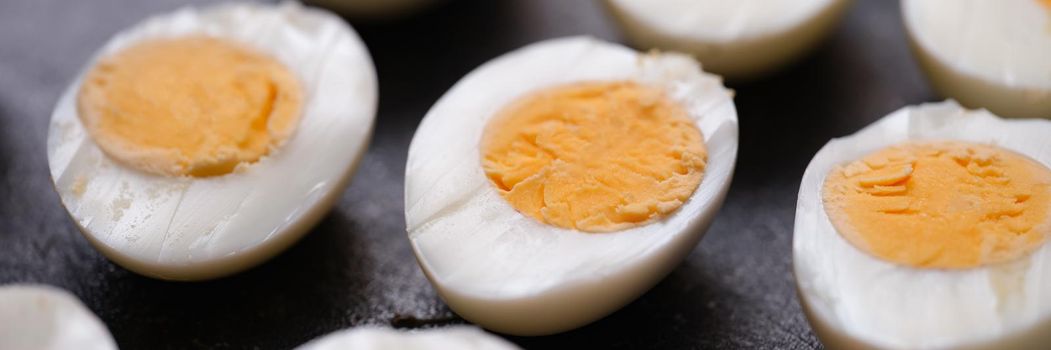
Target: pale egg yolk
{"points": [[196, 105], [941, 204], [594, 156]]}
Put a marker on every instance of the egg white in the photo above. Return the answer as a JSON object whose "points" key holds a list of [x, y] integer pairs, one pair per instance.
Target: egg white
{"points": [[738, 39], [46, 318], [380, 338], [855, 301], [374, 9], [988, 54], [510, 273], [186, 228]]}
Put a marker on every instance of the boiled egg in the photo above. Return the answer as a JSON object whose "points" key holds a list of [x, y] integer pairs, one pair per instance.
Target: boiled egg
{"points": [[556, 183], [374, 9], [984, 53], [201, 142], [928, 230], [381, 338], [46, 318], [739, 39]]}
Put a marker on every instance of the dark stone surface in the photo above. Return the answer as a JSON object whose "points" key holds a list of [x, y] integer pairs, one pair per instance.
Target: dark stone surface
{"points": [[735, 290]]}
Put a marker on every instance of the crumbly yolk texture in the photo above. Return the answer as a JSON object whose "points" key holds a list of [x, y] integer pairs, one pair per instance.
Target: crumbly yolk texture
{"points": [[196, 105], [941, 204], [594, 156]]}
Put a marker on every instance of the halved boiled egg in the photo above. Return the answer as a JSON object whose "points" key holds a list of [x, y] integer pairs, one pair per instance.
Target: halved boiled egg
{"points": [[554, 184], [986, 54], [47, 318], [380, 338], [928, 230], [201, 142], [737, 39]]}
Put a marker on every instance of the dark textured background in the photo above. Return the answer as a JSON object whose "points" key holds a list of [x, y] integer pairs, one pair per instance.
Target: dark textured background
{"points": [[735, 290]]}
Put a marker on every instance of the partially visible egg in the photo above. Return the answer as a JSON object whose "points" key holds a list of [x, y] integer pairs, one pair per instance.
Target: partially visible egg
{"points": [[375, 9], [558, 182], [928, 230], [985, 54], [199, 143], [740, 39], [380, 338], [47, 318]]}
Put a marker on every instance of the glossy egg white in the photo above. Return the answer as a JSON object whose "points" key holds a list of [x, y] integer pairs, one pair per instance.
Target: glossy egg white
{"points": [[381, 338], [738, 39], [857, 301], [511, 273], [985, 54], [46, 318], [185, 228], [375, 9]]}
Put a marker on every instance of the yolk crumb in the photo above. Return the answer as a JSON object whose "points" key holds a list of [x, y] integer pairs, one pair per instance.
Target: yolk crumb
{"points": [[193, 105], [941, 204], [594, 156]]}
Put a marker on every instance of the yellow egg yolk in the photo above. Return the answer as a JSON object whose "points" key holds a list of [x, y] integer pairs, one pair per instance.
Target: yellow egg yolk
{"points": [[941, 204], [594, 156], [195, 105], [1047, 4]]}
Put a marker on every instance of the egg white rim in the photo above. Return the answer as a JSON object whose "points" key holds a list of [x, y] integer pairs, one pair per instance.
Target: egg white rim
{"points": [[728, 34], [382, 337], [1006, 77], [72, 324]]}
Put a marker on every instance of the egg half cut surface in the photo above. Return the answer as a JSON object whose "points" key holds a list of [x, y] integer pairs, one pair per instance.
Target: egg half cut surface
{"points": [[928, 230], [381, 338], [558, 182], [737, 39], [201, 142], [985, 53], [47, 318]]}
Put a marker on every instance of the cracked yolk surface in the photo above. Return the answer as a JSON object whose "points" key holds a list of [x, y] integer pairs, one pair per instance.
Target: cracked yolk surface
{"points": [[941, 204], [196, 106], [594, 156]]}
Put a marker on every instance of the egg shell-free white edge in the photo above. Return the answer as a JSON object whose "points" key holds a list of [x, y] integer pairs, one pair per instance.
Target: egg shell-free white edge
{"points": [[380, 338], [510, 273], [183, 228], [46, 318], [856, 301], [741, 39], [374, 9], [985, 54]]}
